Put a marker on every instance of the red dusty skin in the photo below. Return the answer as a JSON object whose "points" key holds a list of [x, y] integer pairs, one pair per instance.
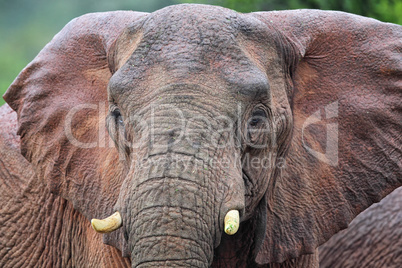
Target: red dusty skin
{"points": [[326, 85], [373, 238]]}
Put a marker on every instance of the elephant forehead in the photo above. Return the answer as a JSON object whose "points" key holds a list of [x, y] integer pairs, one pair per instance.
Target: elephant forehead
{"points": [[194, 44], [191, 35], [193, 23]]}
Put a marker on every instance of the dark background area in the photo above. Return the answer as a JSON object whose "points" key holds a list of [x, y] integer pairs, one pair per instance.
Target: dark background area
{"points": [[26, 25]]}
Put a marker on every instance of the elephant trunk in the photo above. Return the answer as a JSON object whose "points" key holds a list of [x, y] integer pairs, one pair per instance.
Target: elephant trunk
{"points": [[175, 216], [170, 224], [171, 237]]}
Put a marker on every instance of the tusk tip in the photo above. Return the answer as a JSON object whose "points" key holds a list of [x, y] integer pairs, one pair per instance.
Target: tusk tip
{"points": [[107, 225], [232, 222]]}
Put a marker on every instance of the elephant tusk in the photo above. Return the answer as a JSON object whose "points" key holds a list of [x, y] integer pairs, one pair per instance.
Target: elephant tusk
{"points": [[107, 225], [232, 222]]}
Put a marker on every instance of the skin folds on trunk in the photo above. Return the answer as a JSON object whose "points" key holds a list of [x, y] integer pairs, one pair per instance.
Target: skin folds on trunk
{"points": [[170, 236], [170, 220]]}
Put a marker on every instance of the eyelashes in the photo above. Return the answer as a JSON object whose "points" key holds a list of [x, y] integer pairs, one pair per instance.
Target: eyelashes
{"points": [[116, 128], [258, 117], [115, 113], [258, 129]]}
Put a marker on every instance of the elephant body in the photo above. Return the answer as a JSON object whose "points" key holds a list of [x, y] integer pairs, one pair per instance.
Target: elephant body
{"points": [[373, 239], [218, 138]]}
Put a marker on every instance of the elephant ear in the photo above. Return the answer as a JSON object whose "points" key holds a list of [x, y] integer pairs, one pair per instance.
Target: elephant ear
{"points": [[61, 102], [345, 152]]}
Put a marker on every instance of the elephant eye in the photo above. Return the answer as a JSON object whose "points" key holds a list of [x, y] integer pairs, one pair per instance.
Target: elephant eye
{"points": [[117, 115], [254, 122], [116, 128], [258, 118], [258, 128]]}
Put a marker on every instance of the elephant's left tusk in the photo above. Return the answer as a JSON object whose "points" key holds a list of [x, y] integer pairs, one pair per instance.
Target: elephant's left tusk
{"points": [[107, 225], [232, 222]]}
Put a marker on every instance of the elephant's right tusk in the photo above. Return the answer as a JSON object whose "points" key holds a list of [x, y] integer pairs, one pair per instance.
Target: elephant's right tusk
{"points": [[107, 225], [232, 222]]}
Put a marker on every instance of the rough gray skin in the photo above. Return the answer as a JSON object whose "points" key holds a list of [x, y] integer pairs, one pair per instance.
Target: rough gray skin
{"points": [[373, 239], [209, 110], [178, 195]]}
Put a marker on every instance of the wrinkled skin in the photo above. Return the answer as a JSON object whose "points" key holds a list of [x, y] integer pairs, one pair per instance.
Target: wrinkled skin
{"points": [[373, 239], [176, 117]]}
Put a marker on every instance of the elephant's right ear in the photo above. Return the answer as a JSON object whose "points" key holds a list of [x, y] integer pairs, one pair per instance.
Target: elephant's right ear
{"points": [[345, 152], [61, 99]]}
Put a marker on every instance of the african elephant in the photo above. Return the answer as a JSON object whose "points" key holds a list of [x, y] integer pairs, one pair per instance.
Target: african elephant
{"points": [[373, 239], [214, 138]]}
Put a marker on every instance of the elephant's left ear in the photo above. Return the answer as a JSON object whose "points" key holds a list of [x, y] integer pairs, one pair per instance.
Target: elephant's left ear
{"points": [[61, 100], [346, 152]]}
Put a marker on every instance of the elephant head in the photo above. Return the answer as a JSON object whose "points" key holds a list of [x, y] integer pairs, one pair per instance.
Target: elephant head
{"points": [[174, 118]]}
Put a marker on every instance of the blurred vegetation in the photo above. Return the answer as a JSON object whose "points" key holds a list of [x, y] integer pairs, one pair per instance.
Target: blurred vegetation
{"points": [[26, 25], [384, 10]]}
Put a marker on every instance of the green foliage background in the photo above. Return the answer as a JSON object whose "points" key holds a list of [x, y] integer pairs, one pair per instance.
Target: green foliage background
{"points": [[384, 10], [26, 26]]}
